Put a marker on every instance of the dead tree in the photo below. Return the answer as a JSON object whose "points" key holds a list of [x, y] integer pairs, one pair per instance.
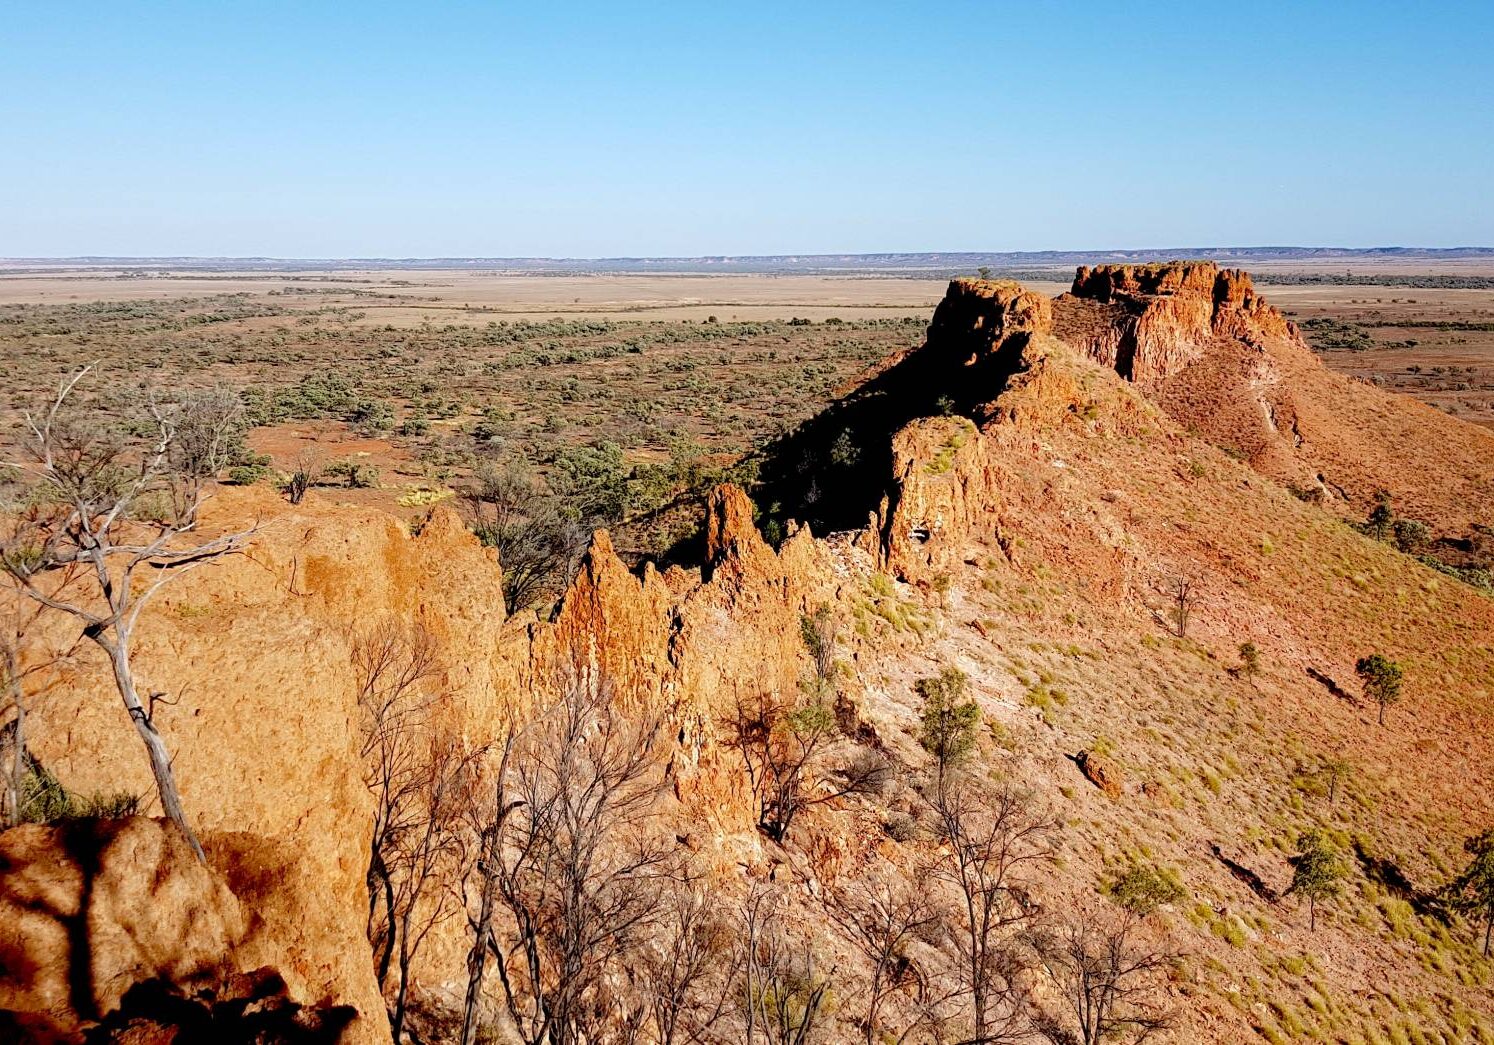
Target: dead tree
{"points": [[781, 745], [988, 840], [85, 530], [883, 917], [1107, 979], [421, 777], [1181, 590], [572, 861], [781, 995], [687, 971]]}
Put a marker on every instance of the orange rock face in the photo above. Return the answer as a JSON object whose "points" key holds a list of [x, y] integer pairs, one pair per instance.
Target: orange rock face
{"points": [[1160, 318], [91, 908]]}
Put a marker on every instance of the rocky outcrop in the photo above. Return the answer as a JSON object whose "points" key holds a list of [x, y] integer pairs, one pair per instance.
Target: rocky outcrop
{"points": [[1102, 772], [1151, 321], [980, 316], [257, 653]]}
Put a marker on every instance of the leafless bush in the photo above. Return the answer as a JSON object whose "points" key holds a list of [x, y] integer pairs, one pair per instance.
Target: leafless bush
{"points": [[570, 855], [422, 778], [989, 838], [1107, 979], [883, 917], [780, 994], [783, 745], [307, 472], [89, 535], [687, 969]]}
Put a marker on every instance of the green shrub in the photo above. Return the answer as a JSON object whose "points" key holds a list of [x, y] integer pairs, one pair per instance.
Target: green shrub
{"points": [[45, 801], [1142, 888]]}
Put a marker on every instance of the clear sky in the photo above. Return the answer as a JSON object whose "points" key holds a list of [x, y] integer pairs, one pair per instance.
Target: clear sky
{"points": [[582, 129]]}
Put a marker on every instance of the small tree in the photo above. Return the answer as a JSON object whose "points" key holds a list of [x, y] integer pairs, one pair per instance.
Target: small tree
{"points": [[1182, 591], [817, 630], [1250, 660], [1318, 871], [949, 719], [1336, 769], [569, 850], [421, 777], [1382, 680], [107, 513], [1473, 891], [688, 968], [1381, 518]]}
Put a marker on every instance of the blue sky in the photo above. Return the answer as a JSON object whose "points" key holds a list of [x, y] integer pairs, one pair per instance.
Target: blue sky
{"points": [[580, 129]]}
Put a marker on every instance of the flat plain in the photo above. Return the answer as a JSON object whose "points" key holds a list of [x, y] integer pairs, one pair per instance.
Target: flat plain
{"points": [[418, 374]]}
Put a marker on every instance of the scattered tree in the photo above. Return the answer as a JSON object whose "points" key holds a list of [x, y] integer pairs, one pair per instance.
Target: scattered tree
{"points": [[1317, 872], [1336, 769], [1382, 680], [107, 513], [1182, 592], [949, 719], [1473, 890], [1381, 518]]}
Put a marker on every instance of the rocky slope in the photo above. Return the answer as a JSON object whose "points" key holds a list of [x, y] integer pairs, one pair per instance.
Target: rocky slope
{"points": [[1046, 470]]}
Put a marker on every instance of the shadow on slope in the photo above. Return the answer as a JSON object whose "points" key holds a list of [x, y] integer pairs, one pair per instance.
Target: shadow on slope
{"points": [[832, 471]]}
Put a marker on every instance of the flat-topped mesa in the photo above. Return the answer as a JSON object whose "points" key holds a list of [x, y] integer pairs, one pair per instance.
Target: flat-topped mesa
{"points": [[1150, 321]]}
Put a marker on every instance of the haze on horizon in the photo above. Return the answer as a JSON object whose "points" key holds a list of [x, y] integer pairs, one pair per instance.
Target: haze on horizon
{"points": [[474, 130]]}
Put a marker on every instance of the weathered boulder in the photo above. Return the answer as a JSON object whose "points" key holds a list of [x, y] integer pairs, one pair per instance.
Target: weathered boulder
{"points": [[1102, 772]]}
